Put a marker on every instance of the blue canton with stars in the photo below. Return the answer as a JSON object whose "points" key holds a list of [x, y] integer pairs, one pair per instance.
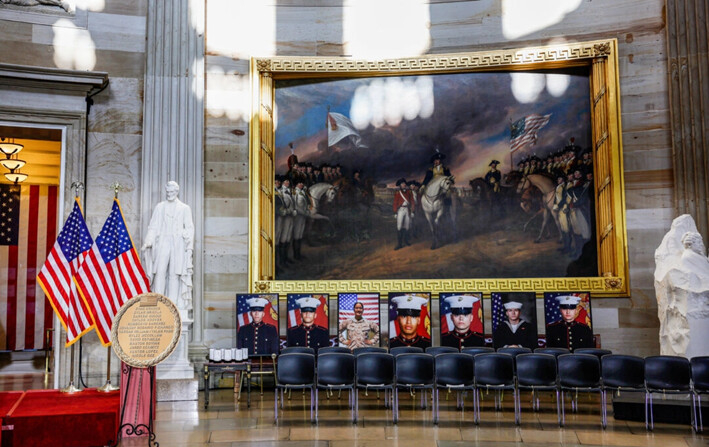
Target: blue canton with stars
{"points": [[9, 214], [347, 301], [75, 238], [498, 314], [113, 240]]}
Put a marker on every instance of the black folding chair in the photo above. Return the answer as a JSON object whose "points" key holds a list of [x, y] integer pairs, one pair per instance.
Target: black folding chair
{"points": [[435, 350], [336, 371], [298, 349], [405, 350], [474, 350], [579, 372], [598, 352], [700, 385], [375, 371], [327, 349], [454, 372], [494, 370], [414, 371], [295, 371], [364, 349], [621, 373], [537, 372], [514, 352], [556, 352], [665, 374]]}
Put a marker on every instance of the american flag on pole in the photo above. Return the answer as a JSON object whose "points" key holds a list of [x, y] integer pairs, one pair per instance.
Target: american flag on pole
{"points": [[321, 313], [111, 273], [446, 319], [524, 130], [498, 312], [243, 311], [370, 301], [28, 228], [56, 276]]}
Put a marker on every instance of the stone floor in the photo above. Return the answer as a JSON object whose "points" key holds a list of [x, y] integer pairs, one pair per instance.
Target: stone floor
{"points": [[230, 423]]}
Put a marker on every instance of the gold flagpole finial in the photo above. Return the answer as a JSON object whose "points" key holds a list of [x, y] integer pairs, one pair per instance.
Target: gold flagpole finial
{"points": [[77, 186], [116, 187]]}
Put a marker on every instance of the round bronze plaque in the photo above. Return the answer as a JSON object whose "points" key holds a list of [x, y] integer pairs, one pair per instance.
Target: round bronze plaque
{"points": [[146, 330]]}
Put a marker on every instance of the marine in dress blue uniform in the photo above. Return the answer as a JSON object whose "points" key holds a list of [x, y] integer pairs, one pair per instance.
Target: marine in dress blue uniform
{"points": [[260, 338], [567, 332], [307, 333], [462, 315], [408, 314]]}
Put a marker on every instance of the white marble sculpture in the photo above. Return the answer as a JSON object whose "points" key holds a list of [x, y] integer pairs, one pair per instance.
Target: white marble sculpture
{"points": [[682, 290], [167, 250]]}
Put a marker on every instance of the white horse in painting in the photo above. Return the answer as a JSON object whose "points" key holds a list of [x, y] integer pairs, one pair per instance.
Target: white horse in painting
{"points": [[434, 207], [318, 192], [547, 188]]}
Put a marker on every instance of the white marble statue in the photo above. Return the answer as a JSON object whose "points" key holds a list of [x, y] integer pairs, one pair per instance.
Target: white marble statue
{"points": [[167, 250], [682, 290]]}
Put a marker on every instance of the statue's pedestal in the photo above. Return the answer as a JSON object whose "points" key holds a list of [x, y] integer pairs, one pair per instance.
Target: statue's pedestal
{"points": [[175, 376]]}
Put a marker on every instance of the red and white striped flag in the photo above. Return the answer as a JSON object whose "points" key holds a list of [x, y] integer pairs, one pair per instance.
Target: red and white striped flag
{"points": [[111, 273], [57, 275], [524, 130], [28, 227]]}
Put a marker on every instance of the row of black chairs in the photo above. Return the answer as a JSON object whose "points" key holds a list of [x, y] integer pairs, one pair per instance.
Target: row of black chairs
{"points": [[547, 369]]}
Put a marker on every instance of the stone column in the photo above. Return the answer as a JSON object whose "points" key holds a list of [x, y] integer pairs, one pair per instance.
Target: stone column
{"points": [[687, 38], [173, 122]]}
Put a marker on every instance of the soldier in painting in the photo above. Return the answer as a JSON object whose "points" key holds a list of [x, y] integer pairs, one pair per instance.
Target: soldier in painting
{"points": [[308, 334], [408, 317], [260, 338], [567, 332], [403, 209], [514, 331], [435, 170], [462, 316]]}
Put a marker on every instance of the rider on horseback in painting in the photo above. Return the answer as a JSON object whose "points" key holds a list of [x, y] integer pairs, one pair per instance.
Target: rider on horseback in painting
{"points": [[435, 170]]}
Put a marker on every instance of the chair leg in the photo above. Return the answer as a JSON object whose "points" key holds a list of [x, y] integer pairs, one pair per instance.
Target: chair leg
{"points": [[476, 406], [699, 410], [558, 414], [436, 396], [647, 426], [275, 412], [604, 421], [518, 406], [563, 413], [396, 406]]}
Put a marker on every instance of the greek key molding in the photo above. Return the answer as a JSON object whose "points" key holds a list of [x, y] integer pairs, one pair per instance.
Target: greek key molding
{"points": [[438, 63]]}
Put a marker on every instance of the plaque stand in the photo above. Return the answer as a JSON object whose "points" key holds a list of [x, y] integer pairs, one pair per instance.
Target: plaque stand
{"points": [[137, 429]]}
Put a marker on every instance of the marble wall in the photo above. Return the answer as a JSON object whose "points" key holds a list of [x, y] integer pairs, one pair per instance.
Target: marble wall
{"points": [[338, 27]]}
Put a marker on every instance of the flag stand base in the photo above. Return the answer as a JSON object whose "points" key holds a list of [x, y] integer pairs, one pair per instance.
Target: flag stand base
{"points": [[70, 389], [137, 429], [107, 387]]}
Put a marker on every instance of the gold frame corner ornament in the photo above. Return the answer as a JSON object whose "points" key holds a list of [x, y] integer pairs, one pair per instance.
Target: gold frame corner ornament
{"points": [[601, 58]]}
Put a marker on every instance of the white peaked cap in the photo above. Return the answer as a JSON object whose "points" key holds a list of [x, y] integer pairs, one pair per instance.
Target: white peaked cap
{"points": [[568, 300], [257, 302], [512, 305], [462, 301], [409, 302], [308, 302]]}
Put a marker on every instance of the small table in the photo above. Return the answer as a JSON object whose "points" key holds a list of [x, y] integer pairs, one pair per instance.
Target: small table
{"points": [[217, 368]]}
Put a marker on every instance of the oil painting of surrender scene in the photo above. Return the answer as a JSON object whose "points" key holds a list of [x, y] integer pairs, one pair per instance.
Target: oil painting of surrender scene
{"points": [[455, 175]]}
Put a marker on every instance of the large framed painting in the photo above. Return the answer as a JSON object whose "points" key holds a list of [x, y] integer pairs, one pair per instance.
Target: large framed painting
{"points": [[492, 171]]}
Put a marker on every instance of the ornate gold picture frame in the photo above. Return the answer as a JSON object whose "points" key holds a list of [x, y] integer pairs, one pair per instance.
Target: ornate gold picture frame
{"points": [[598, 59]]}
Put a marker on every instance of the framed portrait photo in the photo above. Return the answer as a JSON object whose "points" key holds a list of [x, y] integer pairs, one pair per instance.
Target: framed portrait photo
{"points": [[358, 320], [568, 320], [257, 323], [514, 320], [412, 174], [308, 322], [461, 319], [410, 319]]}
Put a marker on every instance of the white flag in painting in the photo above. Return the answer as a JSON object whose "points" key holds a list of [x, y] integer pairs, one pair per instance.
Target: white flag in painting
{"points": [[340, 127]]}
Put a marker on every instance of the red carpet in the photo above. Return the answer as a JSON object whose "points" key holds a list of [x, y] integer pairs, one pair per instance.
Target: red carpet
{"points": [[7, 401], [51, 418]]}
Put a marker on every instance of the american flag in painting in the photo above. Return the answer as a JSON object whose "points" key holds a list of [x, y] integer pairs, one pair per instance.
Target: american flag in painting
{"points": [[498, 312], [28, 228], [551, 307], [446, 320], [57, 275], [321, 312], [369, 300], [270, 312], [111, 273], [524, 130]]}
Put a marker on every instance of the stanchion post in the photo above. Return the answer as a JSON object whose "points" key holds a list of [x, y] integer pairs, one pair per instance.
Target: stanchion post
{"points": [[71, 388], [108, 386]]}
